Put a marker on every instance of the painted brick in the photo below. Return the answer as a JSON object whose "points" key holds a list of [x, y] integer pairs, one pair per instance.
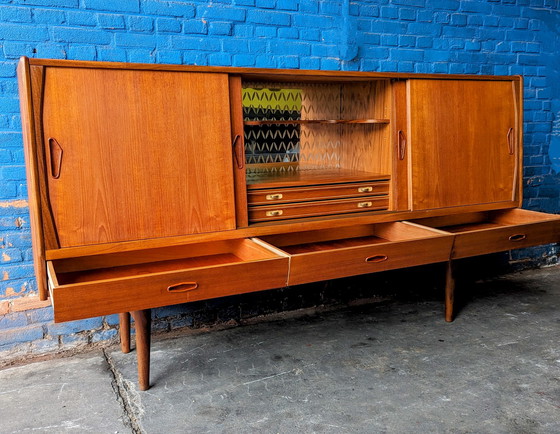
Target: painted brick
{"points": [[221, 59], [240, 45], [19, 32], [220, 28], [195, 43], [265, 32], [72, 327], [140, 24], [168, 25], [135, 40], [8, 190], [50, 3], [13, 320], [78, 34], [288, 33], [290, 5], [267, 4], [269, 17], [12, 173], [49, 16], [169, 57], [110, 21], [222, 13], [82, 52], [369, 10], [195, 26], [104, 335], [116, 6], [81, 18], [194, 58], [407, 14], [389, 12], [31, 304], [15, 14], [8, 256], [243, 60], [21, 335], [140, 56]]}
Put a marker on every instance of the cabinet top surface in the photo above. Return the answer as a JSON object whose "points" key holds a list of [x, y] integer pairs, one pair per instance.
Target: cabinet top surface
{"points": [[264, 73]]}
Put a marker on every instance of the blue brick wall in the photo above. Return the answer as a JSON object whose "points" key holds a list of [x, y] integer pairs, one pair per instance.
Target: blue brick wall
{"points": [[441, 36]]}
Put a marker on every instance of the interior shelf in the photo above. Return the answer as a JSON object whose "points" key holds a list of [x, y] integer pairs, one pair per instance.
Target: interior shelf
{"points": [[295, 178], [317, 121]]}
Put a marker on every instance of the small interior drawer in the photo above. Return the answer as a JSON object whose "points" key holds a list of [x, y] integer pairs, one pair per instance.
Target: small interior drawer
{"points": [[497, 231], [317, 208], [105, 284], [333, 253], [271, 196]]}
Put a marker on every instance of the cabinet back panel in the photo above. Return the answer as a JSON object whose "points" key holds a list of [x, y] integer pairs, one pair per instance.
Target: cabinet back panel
{"points": [[459, 132], [137, 154]]}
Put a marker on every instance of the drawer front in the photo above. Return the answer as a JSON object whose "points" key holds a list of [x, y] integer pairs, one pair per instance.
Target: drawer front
{"points": [[332, 264], [296, 194], [85, 300], [317, 208], [505, 238]]}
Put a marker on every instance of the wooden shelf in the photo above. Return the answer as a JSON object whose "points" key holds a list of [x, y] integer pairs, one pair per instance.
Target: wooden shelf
{"points": [[318, 121], [302, 177]]}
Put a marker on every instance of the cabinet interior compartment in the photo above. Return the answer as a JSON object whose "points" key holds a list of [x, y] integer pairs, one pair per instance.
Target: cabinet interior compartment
{"points": [[319, 135], [334, 253], [347, 237], [484, 232], [159, 260]]}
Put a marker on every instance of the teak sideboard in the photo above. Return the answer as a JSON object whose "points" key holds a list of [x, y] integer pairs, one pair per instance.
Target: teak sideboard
{"points": [[153, 185]]}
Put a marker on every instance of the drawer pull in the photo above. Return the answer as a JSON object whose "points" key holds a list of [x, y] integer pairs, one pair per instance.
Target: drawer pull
{"points": [[517, 237], [274, 213], [182, 287], [365, 189], [274, 196], [364, 204], [377, 258]]}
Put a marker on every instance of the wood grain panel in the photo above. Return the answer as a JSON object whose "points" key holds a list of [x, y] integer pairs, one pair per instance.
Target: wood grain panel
{"points": [[400, 152], [459, 142], [33, 175], [145, 154]]}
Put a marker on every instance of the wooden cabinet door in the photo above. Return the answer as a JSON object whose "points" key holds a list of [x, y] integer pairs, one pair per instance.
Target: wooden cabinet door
{"points": [[463, 142], [136, 154]]}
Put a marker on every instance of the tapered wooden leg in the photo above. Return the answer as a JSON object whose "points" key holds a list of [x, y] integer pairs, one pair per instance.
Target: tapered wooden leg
{"points": [[143, 325], [124, 331], [449, 291]]}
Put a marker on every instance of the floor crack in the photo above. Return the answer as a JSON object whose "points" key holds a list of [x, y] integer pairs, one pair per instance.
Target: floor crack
{"points": [[127, 397]]}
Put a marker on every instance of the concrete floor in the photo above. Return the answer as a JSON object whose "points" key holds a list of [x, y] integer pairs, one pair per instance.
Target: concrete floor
{"points": [[392, 367]]}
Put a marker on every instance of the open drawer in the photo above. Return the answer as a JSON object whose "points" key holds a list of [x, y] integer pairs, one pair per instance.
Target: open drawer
{"points": [[497, 231], [333, 253], [121, 282]]}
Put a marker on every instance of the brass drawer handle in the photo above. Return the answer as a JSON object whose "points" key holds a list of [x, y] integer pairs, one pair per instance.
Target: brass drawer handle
{"points": [[377, 258], [364, 204], [365, 189], [517, 237], [182, 287], [274, 213], [274, 196]]}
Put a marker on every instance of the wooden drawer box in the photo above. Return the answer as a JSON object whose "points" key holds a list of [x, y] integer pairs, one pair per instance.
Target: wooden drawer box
{"points": [[317, 208], [333, 253], [497, 231], [101, 285], [318, 192]]}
